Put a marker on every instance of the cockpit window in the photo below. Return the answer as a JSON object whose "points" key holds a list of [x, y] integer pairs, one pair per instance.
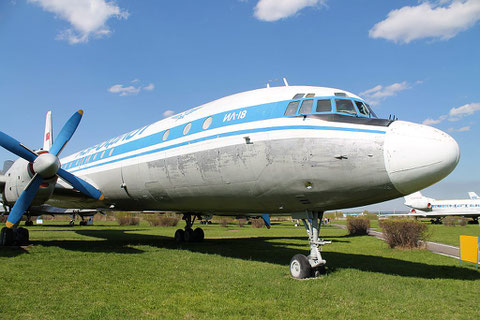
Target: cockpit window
{"points": [[324, 105], [372, 114], [298, 96], [362, 108], [310, 95], [345, 106], [306, 106], [292, 108]]}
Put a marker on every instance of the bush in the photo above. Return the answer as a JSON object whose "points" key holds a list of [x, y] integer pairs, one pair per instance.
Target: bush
{"points": [[224, 222], [162, 220], [404, 233], [462, 222], [449, 221], [257, 223], [357, 226], [241, 222], [127, 220]]}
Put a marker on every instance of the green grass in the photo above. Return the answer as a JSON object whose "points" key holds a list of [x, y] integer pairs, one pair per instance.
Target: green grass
{"points": [[138, 272]]}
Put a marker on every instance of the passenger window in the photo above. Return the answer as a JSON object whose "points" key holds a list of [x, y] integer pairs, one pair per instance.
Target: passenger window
{"points": [[103, 153], [165, 135], [207, 123], [362, 108], [345, 106], [298, 96], [94, 156], [306, 106], [111, 152], [310, 95], [187, 128], [292, 108], [324, 105]]}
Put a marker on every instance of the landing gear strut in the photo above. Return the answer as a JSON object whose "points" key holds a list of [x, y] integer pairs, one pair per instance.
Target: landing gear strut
{"points": [[189, 235], [14, 237], [29, 222], [302, 267]]}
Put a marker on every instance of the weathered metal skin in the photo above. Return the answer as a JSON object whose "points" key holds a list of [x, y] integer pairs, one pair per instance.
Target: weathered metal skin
{"points": [[277, 176]]}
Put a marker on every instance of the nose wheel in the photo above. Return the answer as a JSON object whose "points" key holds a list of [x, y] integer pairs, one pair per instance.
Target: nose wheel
{"points": [[189, 234]]}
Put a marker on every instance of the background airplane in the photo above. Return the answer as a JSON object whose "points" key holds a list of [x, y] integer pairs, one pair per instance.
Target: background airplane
{"points": [[292, 150], [437, 209]]}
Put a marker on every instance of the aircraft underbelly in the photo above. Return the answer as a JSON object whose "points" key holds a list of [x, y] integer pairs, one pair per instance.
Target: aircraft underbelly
{"points": [[272, 175]]}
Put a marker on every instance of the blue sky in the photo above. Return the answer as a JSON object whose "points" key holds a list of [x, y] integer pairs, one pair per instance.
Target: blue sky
{"points": [[128, 63]]}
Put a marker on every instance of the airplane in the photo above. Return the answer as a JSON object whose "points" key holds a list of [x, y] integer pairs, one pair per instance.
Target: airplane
{"points": [[290, 150], [437, 209]]}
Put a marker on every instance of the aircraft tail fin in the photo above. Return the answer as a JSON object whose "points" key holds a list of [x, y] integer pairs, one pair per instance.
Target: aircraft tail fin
{"points": [[473, 195], [48, 136], [414, 196]]}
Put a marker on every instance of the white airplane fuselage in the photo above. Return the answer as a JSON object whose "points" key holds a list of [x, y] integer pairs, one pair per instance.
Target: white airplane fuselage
{"points": [[242, 154], [432, 208]]}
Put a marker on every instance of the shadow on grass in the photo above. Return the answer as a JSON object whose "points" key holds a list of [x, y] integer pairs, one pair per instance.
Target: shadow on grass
{"points": [[276, 250]]}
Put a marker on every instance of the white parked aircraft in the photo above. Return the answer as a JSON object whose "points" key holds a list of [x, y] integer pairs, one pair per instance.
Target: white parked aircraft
{"points": [[292, 150], [438, 209]]}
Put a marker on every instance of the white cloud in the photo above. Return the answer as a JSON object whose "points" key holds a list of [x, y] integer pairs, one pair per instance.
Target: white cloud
{"points": [[130, 90], [455, 114], [462, 129], [465, 110], [273, 10], [149, 87], [124, 91], [87, 17], [430, 121], [168, 113], [443, 20], [379, 93]]}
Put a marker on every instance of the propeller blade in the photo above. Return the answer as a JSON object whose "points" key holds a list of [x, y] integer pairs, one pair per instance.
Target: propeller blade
{"points": [[16, 147], [81, 185], [24, 201], [66, 133]]}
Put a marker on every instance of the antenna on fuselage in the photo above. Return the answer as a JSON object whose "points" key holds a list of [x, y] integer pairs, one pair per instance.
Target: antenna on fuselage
{"points": [[283, 79]]}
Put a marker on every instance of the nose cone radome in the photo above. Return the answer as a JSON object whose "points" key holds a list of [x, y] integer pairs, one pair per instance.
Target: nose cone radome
{"points": [[417, 156]]}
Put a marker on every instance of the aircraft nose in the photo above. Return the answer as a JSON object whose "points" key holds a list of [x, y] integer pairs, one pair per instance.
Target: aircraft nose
{"points": [[417, 156]]}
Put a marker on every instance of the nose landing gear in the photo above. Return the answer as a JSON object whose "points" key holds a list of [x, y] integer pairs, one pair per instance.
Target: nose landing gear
{"points": [[302, 267], [189, 235]]}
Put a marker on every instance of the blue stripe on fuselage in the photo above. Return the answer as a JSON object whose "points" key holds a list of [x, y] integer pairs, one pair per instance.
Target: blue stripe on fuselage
{"points": [[132, 146], [274, 110]]}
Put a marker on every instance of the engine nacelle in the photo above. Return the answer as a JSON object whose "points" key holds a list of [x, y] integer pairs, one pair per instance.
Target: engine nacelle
{"points": [[423, 204], [16, 180]]}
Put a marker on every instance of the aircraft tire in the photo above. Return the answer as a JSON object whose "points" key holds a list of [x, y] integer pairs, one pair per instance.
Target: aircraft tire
{"points": [[23, 236], [189, 235], [198, 235], [179, 236], [300, 267], [6, 237]]}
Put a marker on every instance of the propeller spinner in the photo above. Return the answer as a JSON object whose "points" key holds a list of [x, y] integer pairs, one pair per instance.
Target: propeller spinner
{"points": [[45, 166]]}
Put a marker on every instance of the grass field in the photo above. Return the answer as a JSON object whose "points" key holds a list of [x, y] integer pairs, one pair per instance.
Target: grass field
{"points": [[137, 272]]}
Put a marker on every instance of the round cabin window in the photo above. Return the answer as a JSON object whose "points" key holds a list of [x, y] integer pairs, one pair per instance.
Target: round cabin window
{"points": [[207, 123], [165, 135], [187, 128]]}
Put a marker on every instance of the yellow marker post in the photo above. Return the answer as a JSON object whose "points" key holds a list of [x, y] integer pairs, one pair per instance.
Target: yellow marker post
{"points": [[469, 249]]}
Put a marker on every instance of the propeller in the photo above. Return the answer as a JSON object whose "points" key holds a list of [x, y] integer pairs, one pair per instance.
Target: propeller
{"points": [[46, 166]]}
